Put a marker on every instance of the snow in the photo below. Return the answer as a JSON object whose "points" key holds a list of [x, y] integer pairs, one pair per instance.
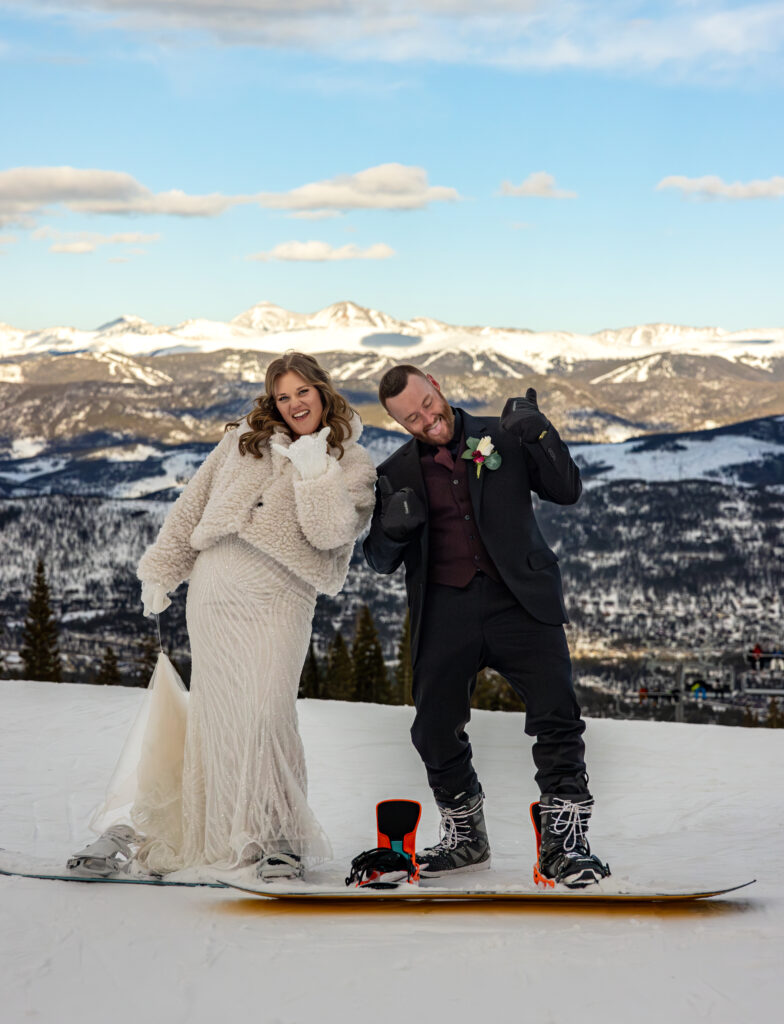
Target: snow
{"points": [[27, 447], [126, 369], [354, 329], [686, 458], [675, 803], [11, 374], [27, 469]]}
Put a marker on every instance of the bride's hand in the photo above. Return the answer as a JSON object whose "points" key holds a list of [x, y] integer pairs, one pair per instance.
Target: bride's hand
{"points": [[154, 598], [308, 454]]}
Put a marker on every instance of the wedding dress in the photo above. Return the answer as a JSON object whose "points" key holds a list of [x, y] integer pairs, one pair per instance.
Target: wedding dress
{"points": [[219, 774]]}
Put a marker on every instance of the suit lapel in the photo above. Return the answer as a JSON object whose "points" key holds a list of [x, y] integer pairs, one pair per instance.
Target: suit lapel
{"points": [[473, 427]]}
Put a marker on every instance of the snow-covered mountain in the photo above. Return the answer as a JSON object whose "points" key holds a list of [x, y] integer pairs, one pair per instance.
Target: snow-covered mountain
{"points": [[135, 382], [266, 316], [351, 328], [744, 454]]}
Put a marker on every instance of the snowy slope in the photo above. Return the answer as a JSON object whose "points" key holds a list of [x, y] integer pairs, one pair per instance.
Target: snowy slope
{"points": [[738, 454], [674, 803], [727, 455]]}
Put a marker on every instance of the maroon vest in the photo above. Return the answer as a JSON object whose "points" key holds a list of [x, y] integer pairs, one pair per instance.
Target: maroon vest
{"points": [[455, 549]]}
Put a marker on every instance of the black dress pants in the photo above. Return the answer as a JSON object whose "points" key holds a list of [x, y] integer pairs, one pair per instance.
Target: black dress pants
{"points": [[483, 626]]}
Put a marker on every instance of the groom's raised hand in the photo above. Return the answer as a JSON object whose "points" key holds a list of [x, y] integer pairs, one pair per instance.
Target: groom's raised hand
{"points": [[521, 417], [402, 513]]}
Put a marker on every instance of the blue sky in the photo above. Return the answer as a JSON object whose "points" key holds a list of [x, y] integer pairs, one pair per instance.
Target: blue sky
{"points": [[546, 165]]}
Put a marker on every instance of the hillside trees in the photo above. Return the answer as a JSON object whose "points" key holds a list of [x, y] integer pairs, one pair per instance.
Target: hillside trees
{"points": [[310, 679], [369, 671], [358, 673], [146, 661], [108, 673], [40, 651], [339, 672], [404, 672]]}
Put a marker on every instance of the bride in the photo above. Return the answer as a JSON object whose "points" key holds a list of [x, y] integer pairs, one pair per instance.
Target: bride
{"points": [[268, 520]]}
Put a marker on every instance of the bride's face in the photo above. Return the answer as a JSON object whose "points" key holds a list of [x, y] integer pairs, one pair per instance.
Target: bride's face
{"points": [[298, 402]]}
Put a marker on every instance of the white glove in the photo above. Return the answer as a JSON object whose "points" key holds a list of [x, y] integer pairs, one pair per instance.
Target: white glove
{"points": [[154, 598], [308, 454]]}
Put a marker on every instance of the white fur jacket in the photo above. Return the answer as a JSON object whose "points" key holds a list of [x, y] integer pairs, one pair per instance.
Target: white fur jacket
{"points": [[307, 525]]}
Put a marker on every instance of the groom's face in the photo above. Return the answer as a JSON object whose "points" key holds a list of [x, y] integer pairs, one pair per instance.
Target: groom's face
{"points": [[421, 409]]}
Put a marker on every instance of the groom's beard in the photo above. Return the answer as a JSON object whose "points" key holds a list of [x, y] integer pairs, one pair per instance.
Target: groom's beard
{"points": [[440, 428]]}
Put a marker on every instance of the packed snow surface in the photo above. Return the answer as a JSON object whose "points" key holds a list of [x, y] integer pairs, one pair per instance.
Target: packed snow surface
{"points": [[676, 805]]}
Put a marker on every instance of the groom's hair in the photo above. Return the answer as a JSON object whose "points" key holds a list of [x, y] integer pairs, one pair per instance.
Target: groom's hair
{"points": [[395, 380]]}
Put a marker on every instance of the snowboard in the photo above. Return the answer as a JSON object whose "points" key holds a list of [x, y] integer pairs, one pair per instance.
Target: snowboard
{"points": [[390, 872], [601, 892], [27, 866]]}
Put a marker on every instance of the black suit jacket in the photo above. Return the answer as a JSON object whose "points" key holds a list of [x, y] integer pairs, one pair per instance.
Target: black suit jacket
{"points": [[504, 517]]}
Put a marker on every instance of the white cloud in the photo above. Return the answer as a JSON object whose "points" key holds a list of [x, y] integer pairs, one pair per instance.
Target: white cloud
{"points": [[78, 242], [26, 192], [704, 36], [539, 184], [322, 252], [314, 214], [712, 187], [8, 239], [385, 187]]}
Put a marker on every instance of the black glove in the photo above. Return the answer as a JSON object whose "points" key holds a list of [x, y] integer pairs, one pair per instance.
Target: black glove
{"points": [[401, 511], [522, 418]]}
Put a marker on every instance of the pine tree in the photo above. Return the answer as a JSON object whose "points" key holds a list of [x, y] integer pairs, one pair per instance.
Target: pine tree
{"points": [[109, 672], [339, 676], [310, 679], [40, 652], [750, 718], [493, 693], [370, 673], [146, 662], [774, 718], [404, 672]]}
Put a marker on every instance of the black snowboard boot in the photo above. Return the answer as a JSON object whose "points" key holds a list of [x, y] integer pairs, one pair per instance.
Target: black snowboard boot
{"points": [[563, 853], [463, 845]]}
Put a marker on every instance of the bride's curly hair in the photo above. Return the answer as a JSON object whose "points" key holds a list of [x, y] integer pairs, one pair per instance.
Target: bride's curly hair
{"points": [[265, 420]]}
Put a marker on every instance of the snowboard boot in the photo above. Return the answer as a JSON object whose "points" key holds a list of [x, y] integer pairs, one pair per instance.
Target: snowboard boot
{"points": [[463, 845], [563, 853], [274, 867], [112, 852]]}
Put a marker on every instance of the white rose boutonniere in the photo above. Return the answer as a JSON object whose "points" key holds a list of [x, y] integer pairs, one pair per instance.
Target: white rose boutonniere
{"points": [[481, 451]]}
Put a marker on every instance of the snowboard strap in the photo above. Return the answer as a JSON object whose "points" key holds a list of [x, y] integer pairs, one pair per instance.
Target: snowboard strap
{"points": [[394, 859], [110, 853], [381, 868]]}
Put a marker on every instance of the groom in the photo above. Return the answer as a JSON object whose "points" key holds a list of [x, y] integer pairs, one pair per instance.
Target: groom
{"points": [[484, 589]]}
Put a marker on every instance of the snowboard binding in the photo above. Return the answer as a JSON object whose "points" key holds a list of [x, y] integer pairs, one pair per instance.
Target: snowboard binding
{"points": [[394, 859], [110, 853]]}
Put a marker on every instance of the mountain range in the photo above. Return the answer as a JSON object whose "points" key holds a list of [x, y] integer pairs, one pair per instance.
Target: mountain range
{"points": [[678, 431], [347, 326], [130, 381]]}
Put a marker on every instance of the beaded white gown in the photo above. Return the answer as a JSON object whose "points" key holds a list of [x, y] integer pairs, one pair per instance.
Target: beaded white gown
{"points": [[242, 790]]}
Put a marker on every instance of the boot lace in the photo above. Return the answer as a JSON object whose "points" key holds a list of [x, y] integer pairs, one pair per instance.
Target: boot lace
{"points": [[455, 827], [569, 821]]}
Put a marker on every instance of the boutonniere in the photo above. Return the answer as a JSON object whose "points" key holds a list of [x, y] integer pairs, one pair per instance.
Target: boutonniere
{"points": [[481, 452]]}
